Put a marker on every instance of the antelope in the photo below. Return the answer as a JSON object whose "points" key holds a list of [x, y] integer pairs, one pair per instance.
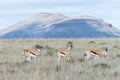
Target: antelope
{"points": [[95, 53], [29, 54], [64, 53]]}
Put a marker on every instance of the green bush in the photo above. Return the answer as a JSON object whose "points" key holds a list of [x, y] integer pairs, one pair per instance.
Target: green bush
{"points": [[92, 42]]}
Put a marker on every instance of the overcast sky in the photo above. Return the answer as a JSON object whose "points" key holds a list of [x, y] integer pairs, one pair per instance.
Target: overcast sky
{"points": [[13, 11]]}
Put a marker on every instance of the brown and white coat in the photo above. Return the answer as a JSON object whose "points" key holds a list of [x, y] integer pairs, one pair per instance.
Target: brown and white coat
{"points": [[29, 54], [95, 53], [64, 53]]}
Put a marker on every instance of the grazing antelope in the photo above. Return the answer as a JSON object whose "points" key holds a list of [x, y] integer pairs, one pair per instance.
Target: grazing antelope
{"points": [[64, 53], [29, 54], [95, 53]]}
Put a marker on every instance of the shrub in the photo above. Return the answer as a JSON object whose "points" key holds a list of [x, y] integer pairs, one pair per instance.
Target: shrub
{"points": [[49, 50], [101, 65], [118, 55], [71, 60], [69, 42], [116, 46], [49, 53], [80, 60], [92, 42], [38, 46]]}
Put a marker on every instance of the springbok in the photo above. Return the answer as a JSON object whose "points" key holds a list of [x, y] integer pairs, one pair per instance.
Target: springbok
{"points": [[29, 54], [95, 53], [64, 53]]}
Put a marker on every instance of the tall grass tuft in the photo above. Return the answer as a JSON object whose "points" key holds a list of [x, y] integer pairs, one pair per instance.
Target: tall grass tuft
{"points": [[58, 68]]}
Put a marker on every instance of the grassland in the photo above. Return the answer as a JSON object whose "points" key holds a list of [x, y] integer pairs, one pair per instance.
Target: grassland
{"points": [[14, 67]]}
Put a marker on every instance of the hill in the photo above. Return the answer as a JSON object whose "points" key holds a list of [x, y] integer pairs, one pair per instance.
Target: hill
{"points": [[49, 25]]}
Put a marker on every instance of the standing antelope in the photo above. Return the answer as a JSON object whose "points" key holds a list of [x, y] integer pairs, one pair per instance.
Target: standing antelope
{"points": [[29, 54], [95, 53], [64, 53]]}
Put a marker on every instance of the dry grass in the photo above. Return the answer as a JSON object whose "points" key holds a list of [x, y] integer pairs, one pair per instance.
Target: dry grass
{"points": [[14, 67]]}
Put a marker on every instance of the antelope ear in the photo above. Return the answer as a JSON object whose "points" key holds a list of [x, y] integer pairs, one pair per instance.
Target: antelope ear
{"points": [[106, 49]]}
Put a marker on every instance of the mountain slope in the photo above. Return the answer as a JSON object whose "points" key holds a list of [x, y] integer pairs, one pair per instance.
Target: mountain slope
{"points": [[48, 25], [40, 19]]}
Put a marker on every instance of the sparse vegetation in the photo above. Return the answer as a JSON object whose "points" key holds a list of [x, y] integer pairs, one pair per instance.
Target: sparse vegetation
{"points": [[101, 65], [14, 67], [49, 51], [38, 46], [92, 42]]}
